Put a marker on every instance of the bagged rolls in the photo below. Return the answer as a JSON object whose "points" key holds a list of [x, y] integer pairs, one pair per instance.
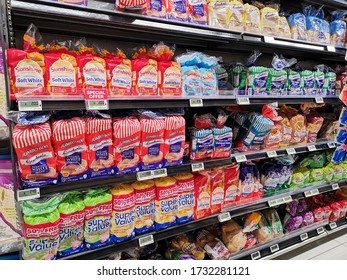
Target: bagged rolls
{"points": [[219, 13]]}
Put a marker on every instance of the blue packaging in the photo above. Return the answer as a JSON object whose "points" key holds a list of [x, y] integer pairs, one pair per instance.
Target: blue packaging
{"points": [[202, 143], [341, 136], [339, 156], [209, 82], [191, 81], [297, 23], [338, 33], [343, 116]]}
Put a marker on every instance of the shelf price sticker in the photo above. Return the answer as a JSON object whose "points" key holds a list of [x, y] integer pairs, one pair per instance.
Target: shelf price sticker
{"points": [[320, 230], [288, 199], [333, 225], [198, 166], [271, 154], [241, 158], [255, 255], [331, 145], [291, 151], [144, 175], [311, 193], [34, 105], [331, 49], [97, 105], [242, 101], [196, 102], [312, 148], [146, 240], [319, 100], [28, 194], [303, 236], [158, 173], [224, 217], [335, 186], [279, 201], [274, 248]]}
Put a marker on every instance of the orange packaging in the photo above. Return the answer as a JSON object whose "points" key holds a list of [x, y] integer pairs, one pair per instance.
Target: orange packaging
{"points": [[100, 146], [202, 194], [231, 184], [126, 142], [69, 139], [62, 74], [174, 140], [145, 77], [156, 8], [152, 142], [177, 10], [170, 78], [26, 72], [197, 11], [217, 190], [93, 76], [119, 76]]}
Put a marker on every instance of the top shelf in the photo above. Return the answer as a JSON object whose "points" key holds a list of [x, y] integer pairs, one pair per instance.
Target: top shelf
{"points": [[101, 23], [333, 4]]}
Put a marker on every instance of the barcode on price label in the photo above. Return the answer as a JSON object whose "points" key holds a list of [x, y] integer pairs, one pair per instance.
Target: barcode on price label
{"points": [[242, 101], [30, 105], [331, 145], [198, 166], [158, 173], [303, 236], [241, 158], [271, 154], [274, 248], [146, 240], [223, 217], [28, 194], [97, 105], [320, 230], [333, 225], [291, 151], [319, 100], [312, 148], [335, 186], [255, 255], [144, 175], [196, 103]]}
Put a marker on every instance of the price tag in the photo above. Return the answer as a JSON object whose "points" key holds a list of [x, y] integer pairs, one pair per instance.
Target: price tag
{"points": [[241, 158], [335, 186], [196, 103], [311, 193], [303, 236], [268, 39], [331, 49], [312, 148], [97, 105], [198, 166], [331, 145], [242, 101], [30, 105], [146, 240], [272, 203], [319, 100], [291, 151], [255, 255], [274, 248], [158, 173], [28, 194], [333, 225], [320, 230], [144, 175], [288, 199], [275, 104], [271, 154], [223, 217]]}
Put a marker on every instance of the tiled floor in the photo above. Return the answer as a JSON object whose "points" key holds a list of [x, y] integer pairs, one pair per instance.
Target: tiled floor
{"points": [[332, 247]]}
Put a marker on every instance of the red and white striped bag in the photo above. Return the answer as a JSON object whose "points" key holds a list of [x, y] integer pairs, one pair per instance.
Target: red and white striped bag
{"points": [[100, 146], [174, 140], [152, 142], [126, 141], [69, 139], [36, 160]]}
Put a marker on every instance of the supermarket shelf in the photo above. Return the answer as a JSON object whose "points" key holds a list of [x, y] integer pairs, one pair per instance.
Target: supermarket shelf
{"points": [[185, 167], [5, 147], [102, 23], [333, 4]]}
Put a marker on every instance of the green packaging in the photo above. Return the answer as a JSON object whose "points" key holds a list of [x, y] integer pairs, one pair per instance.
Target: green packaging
{"points": [[239, 78], [317, 175], [276, 82], [293, 85], [257, 80], [307, 82], [329, 84]]}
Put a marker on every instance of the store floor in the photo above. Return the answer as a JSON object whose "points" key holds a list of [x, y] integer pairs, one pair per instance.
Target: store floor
{"points": [[331, 247]]}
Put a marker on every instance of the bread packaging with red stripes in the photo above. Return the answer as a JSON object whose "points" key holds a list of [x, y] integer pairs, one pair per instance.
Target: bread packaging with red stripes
{"points": [[99, 139], [36, 160], [69, 138]]}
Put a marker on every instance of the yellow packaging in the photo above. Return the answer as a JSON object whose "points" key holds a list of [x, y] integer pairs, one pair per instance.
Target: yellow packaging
{"points": [[166, 192], [186, 199], [236, 15], [251, 19], [123, 213], [144, 206], [219, 13], [269, 20]]}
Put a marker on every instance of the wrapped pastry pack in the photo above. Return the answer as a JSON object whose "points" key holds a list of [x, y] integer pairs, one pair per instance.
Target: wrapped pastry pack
{"points": [[219, 13], [236, 15], [233, 237], [251, 19]]}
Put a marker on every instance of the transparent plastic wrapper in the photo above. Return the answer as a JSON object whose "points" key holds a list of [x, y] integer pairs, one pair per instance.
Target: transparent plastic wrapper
{"points": [[251, 222], [264, 232], [119, 76], [274, 222], [41, 220], [32, 40], [252, 19], [197, 11], [237, 10], [283, 27], [338, 33], [297, 23], [177, 10], [156, 8], [314, 27], [184, 243], [233, 236], [216, 250], [269, 19], [219, 13]]}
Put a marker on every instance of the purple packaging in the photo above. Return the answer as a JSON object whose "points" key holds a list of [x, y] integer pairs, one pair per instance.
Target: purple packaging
{"points": [[308, 218], [292, 207], [292, 223]]}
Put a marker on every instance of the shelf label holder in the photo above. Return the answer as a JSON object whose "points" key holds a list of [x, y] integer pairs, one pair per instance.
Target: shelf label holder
{"points": [[274, 248], [144, 175], [28, 194], [97, 105], [312, 148], [196, 103], [303, 236], [146, 240], [271, 154], [29, 106], [320, 230], [224, 217], [158, 173], [199, 166], [242, 101], [291, 151], [241, 158], [255, 255], [333, 225], [335, 186]]}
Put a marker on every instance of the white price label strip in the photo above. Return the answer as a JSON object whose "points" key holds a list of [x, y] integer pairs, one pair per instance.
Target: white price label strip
{"points": [[303, 236], [311, 193], [291, 151], [333, 225], [320, 230], [331, 49], [255, 255], [196, 102], [28, 194], [335, 186], [198, 166], [158, 173], [280, 201], [241, 158], [331, 145], [242, 101], [288, 199], [274, 248], [146, 240], [144, 175], [271, 154], [312, 148], [223, 217], [97, 104], [35, 105], [319, 100]]}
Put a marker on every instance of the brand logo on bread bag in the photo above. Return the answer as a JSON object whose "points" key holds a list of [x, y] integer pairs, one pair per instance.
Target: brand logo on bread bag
{"points": [[123, 203], [67, 232], [37, 232], [204, 201], [99, 210], [169, 205], [147, 209], [27, 65], [167, 193], [185, 199], [144, 197], [39, 245], [101, 144], [37, 158], [98, 224], [124, 218], [67, 220]]}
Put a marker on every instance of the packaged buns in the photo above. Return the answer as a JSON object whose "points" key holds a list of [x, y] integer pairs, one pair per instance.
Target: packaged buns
{"points": [[264, 233], [252, 19], [219, 13], [269, 19], [233, 237], [236, 15]]}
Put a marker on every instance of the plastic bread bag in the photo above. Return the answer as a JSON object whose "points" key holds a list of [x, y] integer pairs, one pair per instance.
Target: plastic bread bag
{"points": [[329, 87], [202, 194], [185, 243], [324, 35], [270, 177], [297, 23], [292, 223], [307, 82], [191, 81], [177, 10], [314, 124], [251, 222], [233, 236], [222, 142], [32, 40], [239, 78], [246, 183], [197, 11], [219, 13], [132, 7], [337, 32], [283, 27], [264, 232], [209, 82], [307, 218], [251, 19], [269, 19], [156, 8], [161, 52], [257, 80], [236, 15], [274, 222], [189, 58], [314, 27], [216, 250]]}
